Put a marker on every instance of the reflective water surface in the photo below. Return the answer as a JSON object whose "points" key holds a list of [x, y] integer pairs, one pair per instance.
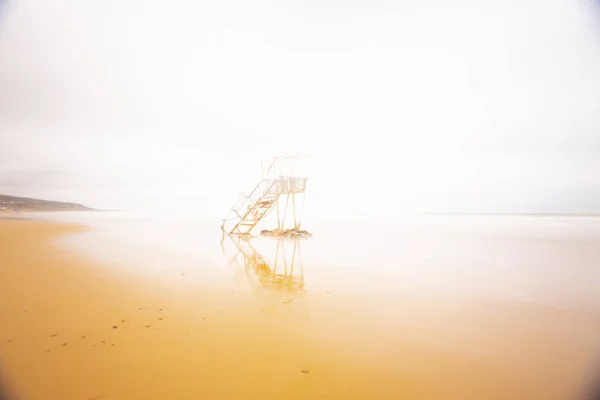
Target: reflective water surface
{"points": [[423, 308]]}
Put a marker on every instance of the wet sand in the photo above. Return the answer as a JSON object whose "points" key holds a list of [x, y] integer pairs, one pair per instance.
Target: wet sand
{"points": [[72, 329]]}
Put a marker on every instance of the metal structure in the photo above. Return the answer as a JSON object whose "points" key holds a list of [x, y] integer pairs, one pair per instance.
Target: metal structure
{"points": [[279, 183], [284, 274]]}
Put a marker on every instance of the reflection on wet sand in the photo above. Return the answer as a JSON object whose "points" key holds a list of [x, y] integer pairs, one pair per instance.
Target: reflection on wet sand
{"points": [[285, 273], [410, 327]]}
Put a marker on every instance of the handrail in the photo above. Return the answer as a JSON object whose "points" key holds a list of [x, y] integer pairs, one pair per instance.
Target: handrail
{"points": [[285, 184], [252, 204], [264, 175], [248, 197]]}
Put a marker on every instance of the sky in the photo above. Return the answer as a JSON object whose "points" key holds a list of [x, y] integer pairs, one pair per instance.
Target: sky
{"points": [[405, 106]]}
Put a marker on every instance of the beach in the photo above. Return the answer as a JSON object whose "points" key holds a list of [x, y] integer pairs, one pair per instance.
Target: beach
{"points": [[75, 323]]}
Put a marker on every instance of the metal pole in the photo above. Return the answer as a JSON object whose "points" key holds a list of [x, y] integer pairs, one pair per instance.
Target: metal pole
{"points": [[278, 219], [276, 258], [293, 257], [287, 201], [284, 259], [294, 205]]}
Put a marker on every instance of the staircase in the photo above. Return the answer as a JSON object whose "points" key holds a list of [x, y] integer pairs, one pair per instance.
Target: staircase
{"points": [[249, 210]]}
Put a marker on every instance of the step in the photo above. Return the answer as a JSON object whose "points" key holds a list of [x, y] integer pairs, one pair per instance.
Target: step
{"points": [[261, 202]]}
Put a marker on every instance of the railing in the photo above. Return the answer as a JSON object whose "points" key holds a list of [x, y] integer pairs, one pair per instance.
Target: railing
{"points": [[285, 184], [292, 184], [266, 186], [270, 186]]}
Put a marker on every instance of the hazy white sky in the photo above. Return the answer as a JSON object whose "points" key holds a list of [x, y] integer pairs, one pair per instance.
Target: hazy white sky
{"points": [[406, 105]]}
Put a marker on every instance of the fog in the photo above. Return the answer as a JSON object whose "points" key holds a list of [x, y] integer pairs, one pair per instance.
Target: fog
{"points": [[406, 106]]}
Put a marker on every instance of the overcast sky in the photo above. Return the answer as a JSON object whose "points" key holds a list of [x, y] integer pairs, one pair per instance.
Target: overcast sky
{"points": [[406, 105]]}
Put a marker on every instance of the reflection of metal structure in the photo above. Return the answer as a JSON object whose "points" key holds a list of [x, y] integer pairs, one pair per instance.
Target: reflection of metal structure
{"points": [[279, 183], [285, 273]]}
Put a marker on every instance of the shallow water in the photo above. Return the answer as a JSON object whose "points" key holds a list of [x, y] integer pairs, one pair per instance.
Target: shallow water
{"points": [[544, 260], [425, 307]]}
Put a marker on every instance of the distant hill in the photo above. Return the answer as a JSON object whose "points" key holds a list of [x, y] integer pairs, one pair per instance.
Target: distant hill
{"points": [[27, 204]]}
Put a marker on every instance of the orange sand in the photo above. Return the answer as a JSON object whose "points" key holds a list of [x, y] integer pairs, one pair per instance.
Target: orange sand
{"points": [[71, 330]]}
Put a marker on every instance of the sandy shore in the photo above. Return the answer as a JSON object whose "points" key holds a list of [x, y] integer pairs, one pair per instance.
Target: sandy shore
{"points": [[70, 329]]}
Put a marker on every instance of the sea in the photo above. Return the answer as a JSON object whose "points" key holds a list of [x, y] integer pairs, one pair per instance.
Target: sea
{"points": [[550, 260]]}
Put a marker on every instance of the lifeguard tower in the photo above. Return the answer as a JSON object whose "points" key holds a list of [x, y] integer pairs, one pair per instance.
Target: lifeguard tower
{"points": [[281, 187]]}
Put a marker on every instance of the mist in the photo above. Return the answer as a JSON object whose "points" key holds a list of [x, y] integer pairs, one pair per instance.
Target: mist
{"points": [[406, 106]]}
